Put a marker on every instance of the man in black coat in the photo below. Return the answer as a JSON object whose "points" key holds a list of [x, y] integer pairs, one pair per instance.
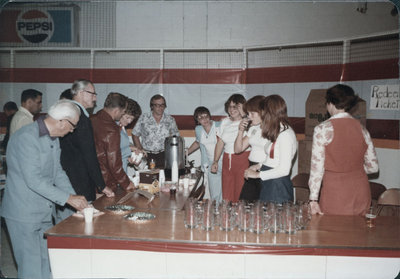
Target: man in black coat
{"points": [[78, 151]]}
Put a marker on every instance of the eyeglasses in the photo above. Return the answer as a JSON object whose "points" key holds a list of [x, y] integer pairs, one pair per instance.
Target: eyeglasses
{"points": [[72, 124], [203, 117], [90, 92], [159, 105], [233, 107]]}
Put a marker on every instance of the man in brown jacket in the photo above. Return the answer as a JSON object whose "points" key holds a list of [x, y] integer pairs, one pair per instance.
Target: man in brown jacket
{"points": [[107, 139]]}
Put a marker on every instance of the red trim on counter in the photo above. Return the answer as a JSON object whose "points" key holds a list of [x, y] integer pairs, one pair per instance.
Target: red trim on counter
{"points": [[54, 242], [381, 69]]}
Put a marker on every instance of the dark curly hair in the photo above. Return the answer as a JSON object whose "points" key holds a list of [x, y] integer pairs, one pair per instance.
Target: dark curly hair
{"points": [[236, 99], [199, 111], [342, 97], [133, 108]]}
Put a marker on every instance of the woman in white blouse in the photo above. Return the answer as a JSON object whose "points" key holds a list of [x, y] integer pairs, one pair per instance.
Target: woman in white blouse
{"points": [[252, 137], [233, 165], [342, 155], [274, 171]]}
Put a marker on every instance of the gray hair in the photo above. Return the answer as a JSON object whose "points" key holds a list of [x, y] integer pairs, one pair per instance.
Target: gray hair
{"points": [[79, 85], [64, 109]]}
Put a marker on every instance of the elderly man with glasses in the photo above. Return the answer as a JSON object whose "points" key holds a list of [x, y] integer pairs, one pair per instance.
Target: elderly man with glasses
{"points": [[151, 130], [78, 151], [35, 183]]}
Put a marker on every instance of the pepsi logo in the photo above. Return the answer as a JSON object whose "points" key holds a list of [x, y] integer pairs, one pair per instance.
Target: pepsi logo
{"points": [[35, 26]]}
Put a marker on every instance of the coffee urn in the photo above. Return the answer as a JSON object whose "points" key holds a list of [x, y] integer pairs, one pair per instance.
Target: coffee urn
{"points": [[174, 147]]}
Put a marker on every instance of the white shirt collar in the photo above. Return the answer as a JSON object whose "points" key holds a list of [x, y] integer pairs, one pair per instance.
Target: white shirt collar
{"points": [[80, 105], [24, 110], [341, 115]]}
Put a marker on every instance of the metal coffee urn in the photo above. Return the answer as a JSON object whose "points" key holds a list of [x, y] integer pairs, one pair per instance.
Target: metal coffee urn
{"points": [[174, 152]]}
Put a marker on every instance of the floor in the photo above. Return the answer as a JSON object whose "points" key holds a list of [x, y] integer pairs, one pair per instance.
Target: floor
{"points": [[8, 266]]}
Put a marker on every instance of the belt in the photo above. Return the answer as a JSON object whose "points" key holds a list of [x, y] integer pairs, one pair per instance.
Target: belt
{"points": [[154, 152]]}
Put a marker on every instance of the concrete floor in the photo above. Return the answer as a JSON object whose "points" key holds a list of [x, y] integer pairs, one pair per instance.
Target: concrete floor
{"points": [[8, 266]]}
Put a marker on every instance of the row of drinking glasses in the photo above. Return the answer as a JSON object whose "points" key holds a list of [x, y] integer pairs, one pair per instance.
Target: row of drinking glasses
{"points": [[252, 217]]}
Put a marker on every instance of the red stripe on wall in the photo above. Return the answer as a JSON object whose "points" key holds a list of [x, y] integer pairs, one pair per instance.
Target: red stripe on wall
{"points": [[382, 69], [314, 73], [171, 247], [43, 75], [203, 76], [146, 76]]}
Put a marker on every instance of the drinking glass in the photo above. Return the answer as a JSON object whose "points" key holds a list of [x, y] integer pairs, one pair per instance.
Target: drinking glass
{"points": [[258, 219], [227, 220], [370, 217], [289, 219], [208, 216], [190, 214]]}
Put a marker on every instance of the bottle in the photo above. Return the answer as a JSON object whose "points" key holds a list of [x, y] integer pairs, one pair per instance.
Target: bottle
{"points": [[152, 164], [161, 177], [174, 172]]}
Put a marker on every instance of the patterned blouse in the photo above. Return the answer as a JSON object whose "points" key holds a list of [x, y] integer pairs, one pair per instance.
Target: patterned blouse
{"points": [[153, 134], [323, 135]]}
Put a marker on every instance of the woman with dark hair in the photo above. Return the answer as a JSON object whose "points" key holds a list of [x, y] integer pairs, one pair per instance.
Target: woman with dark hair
{"points": [[132, 112], [342, 155], [233, 165], [274, 171], [206, 139], [250, 135]]}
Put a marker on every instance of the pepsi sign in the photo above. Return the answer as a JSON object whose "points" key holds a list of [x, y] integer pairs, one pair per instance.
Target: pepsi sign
{"points": [[51, 26], [35, 26]]}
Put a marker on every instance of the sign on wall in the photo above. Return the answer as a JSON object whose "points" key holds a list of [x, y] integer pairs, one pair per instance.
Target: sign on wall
{"points": [[385, 97], [38, 26]]}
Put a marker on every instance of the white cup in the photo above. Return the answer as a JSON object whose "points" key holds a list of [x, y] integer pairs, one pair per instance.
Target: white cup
{"points": [[136, 180], [186, 182], [88, 213]]}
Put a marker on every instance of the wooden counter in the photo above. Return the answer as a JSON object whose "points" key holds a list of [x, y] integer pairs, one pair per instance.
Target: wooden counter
{"points": [[164, 237]]}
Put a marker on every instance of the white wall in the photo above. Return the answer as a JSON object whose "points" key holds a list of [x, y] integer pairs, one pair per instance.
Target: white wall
{"points": [[214, 24]]}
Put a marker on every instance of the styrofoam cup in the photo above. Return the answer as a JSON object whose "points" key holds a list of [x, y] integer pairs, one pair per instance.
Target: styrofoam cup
{"points": [[88, 213]]}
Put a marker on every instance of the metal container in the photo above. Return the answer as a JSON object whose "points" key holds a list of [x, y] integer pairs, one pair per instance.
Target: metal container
{"points": [[174, 151]]}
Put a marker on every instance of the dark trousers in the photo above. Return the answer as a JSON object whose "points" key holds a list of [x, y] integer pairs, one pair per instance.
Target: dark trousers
{"points": [[251, 188]]}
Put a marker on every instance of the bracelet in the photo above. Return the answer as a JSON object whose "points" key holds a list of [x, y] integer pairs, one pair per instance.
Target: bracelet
{"points": [[312, 200]]}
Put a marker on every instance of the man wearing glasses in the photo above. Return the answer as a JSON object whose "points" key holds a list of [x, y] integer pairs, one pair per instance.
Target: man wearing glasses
{"points": [[151, 130], [35, 183], [78, 151]]}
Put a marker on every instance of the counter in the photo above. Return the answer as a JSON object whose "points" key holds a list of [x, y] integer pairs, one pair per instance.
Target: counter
{"points": [[113, 247]]}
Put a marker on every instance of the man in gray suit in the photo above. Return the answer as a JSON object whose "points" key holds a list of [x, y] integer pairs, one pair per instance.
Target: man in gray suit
{"points": [[35, 183]]}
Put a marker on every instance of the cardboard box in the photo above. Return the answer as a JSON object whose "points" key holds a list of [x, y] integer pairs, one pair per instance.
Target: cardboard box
{"points": [[148, 177], [304, 156], [316, 111]]}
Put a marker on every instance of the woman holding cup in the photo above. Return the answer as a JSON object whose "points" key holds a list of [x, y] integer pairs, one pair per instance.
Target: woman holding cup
{"points": [[233, 165], [250, 135], [274, 171]]}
